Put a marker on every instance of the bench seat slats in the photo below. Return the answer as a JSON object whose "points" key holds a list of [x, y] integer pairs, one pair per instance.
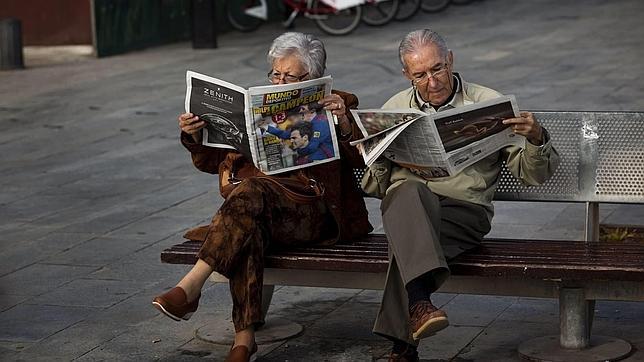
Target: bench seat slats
{"points": [[497, 257]]}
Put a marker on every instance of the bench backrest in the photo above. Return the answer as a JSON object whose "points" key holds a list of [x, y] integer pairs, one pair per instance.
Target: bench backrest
{"points": [[602, 159]]}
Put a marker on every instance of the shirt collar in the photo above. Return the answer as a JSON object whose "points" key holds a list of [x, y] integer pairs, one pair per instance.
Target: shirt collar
{"points": [[428, 108]]}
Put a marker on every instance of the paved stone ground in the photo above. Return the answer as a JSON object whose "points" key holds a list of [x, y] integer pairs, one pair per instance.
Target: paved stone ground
{"points": [[93, 185]]}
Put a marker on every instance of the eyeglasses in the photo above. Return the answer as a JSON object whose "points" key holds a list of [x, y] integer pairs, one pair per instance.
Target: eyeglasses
{"points": [[425, 76], [274, 76]]}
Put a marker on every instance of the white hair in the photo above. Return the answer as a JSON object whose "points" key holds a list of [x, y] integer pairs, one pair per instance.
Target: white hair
{"points": [[308, 49], [420, 38]]}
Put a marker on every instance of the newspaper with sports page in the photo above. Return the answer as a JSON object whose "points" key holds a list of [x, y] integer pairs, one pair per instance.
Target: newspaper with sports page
{"points": [[279, 127], [439, 144]]}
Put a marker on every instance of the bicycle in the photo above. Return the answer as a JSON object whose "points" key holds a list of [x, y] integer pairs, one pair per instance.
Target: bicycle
{"points": [[379, 12], [434, 6], [407, 9], [248, 15]]}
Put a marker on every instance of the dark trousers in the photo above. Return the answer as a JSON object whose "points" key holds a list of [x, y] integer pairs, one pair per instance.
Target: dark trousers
{"points": [[424, 231], [254, 215]]}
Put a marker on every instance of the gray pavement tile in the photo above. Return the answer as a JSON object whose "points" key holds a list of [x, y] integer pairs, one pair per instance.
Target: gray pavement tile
{"points": [[29, 281], [148, 340], [144, 264], [300, 296], [368, 296], [489, 352], [154, 227], [8, 301], [31, 208], [112, 220], [620, 312], [100, 251], [327, 349], [538, 310], [24, 232], [90, 293], [447, 343], [511, 333], [476, 310], [19, 254], [9, 351], [349, 321], [30, 323]]}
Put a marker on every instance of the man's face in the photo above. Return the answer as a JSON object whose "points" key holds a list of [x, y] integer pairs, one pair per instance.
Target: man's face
{"points": [[426, 60], [307, 114], [298, 140]]}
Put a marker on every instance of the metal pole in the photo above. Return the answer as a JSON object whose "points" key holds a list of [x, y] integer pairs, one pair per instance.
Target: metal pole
{"points": [[10, 44], [592, 222]]}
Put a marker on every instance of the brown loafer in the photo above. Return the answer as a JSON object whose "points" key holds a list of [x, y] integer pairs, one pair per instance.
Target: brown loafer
{"points": [[175, 305], [241, 354], [426, 319]]}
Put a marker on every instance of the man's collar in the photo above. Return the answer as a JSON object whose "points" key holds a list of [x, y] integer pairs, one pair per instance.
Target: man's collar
{"points": [[427, 107]]}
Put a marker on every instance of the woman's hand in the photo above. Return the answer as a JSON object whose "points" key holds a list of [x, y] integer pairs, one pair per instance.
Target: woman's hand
{"points": [[192, 125], [527, 126], [335, 104]]}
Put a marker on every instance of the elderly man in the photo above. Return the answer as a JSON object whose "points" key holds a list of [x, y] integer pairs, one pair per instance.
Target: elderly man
{"points": [[430, 220]]}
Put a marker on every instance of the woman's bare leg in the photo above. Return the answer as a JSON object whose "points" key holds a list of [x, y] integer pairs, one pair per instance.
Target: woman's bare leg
{"points": [[195, 279]]}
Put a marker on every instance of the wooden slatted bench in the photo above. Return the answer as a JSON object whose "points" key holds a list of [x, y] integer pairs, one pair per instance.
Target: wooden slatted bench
{"points": [[602, 161]]}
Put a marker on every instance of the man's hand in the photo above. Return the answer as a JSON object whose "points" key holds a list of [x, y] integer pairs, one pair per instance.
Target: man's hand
{"points": [[335, 104], [527, 126], [192, 125]]}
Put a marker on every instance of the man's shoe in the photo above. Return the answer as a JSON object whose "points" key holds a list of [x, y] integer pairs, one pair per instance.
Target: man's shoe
{"points": [[426, 319], [409, 355], [242, 353], [175, 305]]}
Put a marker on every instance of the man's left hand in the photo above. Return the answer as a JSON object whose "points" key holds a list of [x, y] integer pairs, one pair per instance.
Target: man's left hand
{"points": [[527, 126]]}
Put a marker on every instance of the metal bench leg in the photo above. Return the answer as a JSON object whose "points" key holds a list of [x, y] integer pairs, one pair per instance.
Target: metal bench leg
{"points": [[267, 296], [574, 342]]}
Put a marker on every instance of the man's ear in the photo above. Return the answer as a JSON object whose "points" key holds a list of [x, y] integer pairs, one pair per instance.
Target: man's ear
{"points": [[450, 57], [406, 74]]}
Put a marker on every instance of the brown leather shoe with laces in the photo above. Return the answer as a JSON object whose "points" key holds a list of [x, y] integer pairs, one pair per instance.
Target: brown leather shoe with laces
{"points": [[426, 319], [241, 353], [175, 305], [409, 355]]}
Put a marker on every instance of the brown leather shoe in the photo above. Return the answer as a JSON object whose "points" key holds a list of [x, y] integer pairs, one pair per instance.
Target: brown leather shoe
{"points": [[241, 354], [426, 319], [175, 305], [409, 355]]}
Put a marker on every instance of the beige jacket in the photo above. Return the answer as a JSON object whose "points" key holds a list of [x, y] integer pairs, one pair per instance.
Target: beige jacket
{"points": [[531, 164]]}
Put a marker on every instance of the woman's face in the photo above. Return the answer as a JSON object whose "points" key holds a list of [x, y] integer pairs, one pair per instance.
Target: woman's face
{"points": [[288, 69]]}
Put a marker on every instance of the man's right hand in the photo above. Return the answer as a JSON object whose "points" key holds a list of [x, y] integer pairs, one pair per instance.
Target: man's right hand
{"points": [[192, 125]]}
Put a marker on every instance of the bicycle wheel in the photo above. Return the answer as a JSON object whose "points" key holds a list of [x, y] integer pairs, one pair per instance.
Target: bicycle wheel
{"points": [[434, 6], [407, 9], [335, 22], [379, 12], [237, 17]]}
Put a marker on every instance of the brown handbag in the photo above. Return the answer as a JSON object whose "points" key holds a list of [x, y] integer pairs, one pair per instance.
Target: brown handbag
{"points": [[297, 186]]}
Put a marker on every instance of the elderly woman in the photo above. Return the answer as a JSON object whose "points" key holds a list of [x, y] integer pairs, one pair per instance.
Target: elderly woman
{"points": [[256, 214]]}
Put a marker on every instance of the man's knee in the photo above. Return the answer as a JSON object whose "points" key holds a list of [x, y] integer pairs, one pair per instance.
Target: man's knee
{"points": [[409, 190]]}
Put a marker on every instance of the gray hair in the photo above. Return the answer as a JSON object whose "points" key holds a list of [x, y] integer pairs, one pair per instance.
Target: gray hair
{"points": [[308, 49], [420, 38]]}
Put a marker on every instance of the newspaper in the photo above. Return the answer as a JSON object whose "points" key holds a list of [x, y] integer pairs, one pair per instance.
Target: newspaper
{"points": [[439, 144], [279, 127]]}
